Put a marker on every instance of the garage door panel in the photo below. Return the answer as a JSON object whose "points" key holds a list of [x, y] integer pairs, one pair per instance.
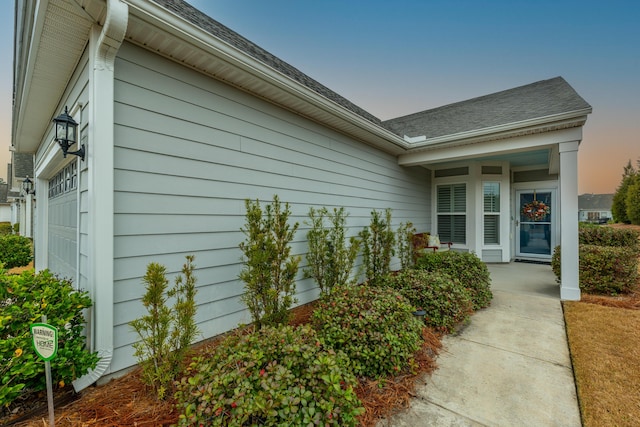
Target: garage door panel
{"points": [[63, 223]]}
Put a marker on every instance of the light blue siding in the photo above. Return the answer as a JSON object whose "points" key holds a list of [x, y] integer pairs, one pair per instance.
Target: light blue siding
{"points": [[189, 150]]}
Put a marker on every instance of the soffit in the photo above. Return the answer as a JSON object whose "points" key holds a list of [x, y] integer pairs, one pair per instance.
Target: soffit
{"points": [[58, 36]]}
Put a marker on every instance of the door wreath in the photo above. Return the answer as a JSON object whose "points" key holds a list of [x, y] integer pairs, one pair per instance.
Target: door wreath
{"points": [[535, 210]]}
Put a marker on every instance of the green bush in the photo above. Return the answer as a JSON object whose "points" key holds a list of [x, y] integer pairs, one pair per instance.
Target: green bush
{"points": [[444, 299], [608, 236], [23, 300], [165, 333], [465, 267], [5, 228], [374, 326], [603, 269], [405, 241], [378, 240], [270, 269], [15, 251], [16, 228], [270, 377], [330, 260]]}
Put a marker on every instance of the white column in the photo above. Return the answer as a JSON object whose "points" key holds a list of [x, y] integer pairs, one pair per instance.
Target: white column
{"points": [[569, 289]]}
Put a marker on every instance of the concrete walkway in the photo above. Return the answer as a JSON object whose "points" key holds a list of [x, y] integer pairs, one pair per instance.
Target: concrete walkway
{"points": [[509, 367]]}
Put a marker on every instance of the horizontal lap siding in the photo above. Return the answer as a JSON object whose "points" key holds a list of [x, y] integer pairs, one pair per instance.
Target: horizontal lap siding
{"points": [[190, 150]]}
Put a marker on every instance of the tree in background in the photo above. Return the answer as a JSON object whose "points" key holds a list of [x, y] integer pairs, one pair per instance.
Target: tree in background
{"points": [[633, 200], [620, 207]]}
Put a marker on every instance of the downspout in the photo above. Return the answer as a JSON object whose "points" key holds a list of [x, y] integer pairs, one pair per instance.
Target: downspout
{"points": [[104, 44]]}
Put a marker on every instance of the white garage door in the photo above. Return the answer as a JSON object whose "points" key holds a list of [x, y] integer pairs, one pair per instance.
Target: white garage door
{"points": [[63, 222]]}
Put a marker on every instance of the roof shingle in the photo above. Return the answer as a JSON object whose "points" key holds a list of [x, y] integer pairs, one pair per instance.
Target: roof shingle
{"points": [[536, 100]]}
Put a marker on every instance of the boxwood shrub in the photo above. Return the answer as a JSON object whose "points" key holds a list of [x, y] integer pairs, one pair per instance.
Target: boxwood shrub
{"points": [[374, 326], [444, 299], [275, 376], [603, 269], [15, 251], [465, 267]]}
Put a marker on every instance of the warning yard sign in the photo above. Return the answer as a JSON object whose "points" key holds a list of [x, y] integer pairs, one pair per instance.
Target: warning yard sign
{"points": [[45, 340]]}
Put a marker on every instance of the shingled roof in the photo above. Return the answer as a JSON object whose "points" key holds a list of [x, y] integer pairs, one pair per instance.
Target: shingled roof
{"points": [[22, 165], [600, 202], [541, 99], [213, 27]]}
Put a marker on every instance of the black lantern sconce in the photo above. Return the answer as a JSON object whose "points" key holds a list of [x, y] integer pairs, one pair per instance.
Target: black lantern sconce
{"points": [[28, 187], [67, 134]]}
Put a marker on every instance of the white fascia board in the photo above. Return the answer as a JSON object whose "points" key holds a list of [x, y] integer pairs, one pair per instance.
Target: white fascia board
{"points": [[192, 34], [501, 146]]}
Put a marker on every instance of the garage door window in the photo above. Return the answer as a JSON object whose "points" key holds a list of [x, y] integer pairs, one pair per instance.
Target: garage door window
{"points": [[64, 181]]}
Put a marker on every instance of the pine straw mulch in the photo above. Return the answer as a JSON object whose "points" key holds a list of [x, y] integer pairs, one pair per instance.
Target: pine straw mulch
{"points": [[127, 402]]}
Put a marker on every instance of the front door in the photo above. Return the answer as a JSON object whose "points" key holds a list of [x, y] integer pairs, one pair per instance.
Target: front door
{"points": [[534, 229]]}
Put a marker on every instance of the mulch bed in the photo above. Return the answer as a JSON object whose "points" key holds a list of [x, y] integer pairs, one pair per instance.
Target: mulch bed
{"points": [[126, 401]]}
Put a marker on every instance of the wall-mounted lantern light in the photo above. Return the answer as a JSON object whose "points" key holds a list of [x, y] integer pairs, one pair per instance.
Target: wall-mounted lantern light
{"points": [[67, 134], [28, 187]]}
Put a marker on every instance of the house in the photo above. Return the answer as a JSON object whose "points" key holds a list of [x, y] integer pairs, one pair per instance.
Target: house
{"points": [[595, 207], [22, 205], [181, 119], [5, 206]]}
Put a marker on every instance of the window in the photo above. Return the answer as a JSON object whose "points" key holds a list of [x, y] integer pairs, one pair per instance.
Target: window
{"points": [[65, 181], [491, 207], [452, 213]]}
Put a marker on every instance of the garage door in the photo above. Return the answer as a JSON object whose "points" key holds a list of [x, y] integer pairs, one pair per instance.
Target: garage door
{"points": [[63, 222]]}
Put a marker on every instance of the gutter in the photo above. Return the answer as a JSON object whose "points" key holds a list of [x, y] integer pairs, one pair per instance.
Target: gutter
{"points": [[503, 128], [103, 47]]}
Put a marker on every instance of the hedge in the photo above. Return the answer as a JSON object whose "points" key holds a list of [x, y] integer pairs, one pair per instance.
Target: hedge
{"points": [[603, 269], [607, 236], [464, 266]]}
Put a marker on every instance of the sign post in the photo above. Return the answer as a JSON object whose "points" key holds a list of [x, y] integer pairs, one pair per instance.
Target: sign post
{"points": [[45, 343]]}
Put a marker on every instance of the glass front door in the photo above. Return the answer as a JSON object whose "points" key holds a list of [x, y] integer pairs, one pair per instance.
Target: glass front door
{"points": [[534, 231]]}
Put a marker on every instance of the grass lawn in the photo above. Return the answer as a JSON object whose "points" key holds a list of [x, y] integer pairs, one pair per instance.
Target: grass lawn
{"points": [[605, 351]]}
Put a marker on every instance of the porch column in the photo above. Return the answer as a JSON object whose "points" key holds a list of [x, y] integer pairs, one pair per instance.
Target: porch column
{"points": [[569, 289]]}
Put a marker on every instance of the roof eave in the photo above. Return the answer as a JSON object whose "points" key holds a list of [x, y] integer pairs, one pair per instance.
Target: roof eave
{"points": [[563, 120], [274, 86]]}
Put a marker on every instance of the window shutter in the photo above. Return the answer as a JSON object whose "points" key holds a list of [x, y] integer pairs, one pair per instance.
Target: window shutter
{"points": [[491, 229]]}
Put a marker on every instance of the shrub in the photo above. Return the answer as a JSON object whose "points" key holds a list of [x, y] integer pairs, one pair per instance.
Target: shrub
{"points": [[15, 251], [608, 236], [270, 269], [374, 326], [378, 240], [444, 299], [603, 269], [330, 259], [406, 248], [165, 333], [16, 228], [465, 267], [271, 377], [23, 300], [5, 228]]}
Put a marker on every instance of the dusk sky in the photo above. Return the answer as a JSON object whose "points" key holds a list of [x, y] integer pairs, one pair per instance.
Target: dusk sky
{"points": [[399, 57]]}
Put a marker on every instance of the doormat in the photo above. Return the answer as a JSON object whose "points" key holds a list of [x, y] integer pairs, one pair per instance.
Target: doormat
{"points": [[531, 261]]}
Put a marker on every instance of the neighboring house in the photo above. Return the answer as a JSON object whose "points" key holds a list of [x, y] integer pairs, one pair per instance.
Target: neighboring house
{"points": [[5, 205], [595, 207], [183, 119], [22, 205]]}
